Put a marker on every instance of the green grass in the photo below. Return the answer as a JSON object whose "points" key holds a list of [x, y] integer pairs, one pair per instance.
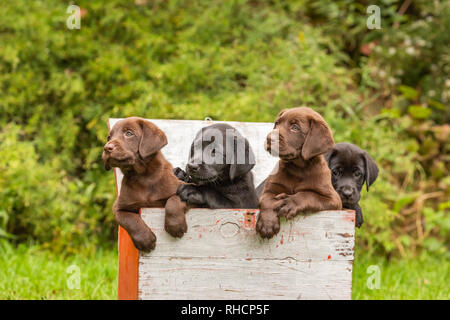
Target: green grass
{"points": [[33, 273], [419, 278]]}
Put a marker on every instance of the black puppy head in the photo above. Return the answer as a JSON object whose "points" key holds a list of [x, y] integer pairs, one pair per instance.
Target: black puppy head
{"points": [[219, 153], [350, 167], [242, 160], [371, 173], [132, 140]]}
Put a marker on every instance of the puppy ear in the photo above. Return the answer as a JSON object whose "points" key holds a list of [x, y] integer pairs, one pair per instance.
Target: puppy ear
{"points": [[152, 140], [330, 154], [371, 173], [281, 112], [237, 168], [318, 140]]}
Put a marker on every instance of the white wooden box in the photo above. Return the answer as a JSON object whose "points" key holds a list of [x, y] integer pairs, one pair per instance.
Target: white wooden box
{"points": [[222, 257]]}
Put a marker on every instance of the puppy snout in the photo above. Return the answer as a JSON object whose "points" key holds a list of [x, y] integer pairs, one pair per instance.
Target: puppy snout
{"points": [[109, 147], [192, 167], [347, 192]]}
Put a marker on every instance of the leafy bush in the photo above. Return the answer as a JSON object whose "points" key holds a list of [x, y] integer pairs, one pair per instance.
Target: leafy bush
{"points": [[41, 203], [229, 60]]}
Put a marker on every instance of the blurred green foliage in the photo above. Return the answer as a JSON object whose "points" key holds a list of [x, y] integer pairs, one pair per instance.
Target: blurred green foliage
{"points": [[229, 60]]}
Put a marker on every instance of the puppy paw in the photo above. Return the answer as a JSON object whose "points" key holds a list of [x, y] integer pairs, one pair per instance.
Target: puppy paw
{"points": [[144, 241], [176, 227], [190, 194], [268, 225], [287, 208], [180, 174], [281, 196], [359, 220]]}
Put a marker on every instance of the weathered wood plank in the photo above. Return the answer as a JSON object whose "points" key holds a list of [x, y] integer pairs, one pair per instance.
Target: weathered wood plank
{"points": [[327, 235], [181, 133], [221, 257], [218, 279]]}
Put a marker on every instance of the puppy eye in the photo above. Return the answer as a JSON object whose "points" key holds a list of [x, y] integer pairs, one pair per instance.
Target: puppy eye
{"points": [[357, 173], [276, 123], [335, 172], [108, 138], [129, 133], [295, 127]]}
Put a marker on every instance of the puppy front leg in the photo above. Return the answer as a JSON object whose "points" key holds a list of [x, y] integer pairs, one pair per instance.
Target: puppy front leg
{"points": [[203, 196], [191, 194], [142, 236], [359, 216], [181, 175], [214, 199], [305, 201], [268, 223], [175, 217]]}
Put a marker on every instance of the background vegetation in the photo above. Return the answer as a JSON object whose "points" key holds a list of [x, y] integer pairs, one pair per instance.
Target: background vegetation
{"points": [[386, 90]]}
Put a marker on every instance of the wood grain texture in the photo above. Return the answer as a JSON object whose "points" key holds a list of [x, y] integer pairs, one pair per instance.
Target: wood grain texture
{"points": [[222, 257], [181, 133]]}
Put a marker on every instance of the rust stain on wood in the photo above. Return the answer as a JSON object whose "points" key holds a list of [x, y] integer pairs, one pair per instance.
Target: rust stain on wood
{"points": [[345, 235], [349, 215], [249, 220]]}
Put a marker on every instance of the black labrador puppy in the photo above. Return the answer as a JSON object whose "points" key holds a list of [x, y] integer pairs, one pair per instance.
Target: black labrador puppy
{"points": [[351, 166], [218, 170]]}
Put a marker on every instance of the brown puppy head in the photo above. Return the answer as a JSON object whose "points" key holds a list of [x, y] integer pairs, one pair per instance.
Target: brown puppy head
{"points": [[131, 141], [300, 133]]}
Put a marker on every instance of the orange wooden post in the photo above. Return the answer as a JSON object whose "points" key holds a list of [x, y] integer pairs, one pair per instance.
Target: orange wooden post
{"points": [[128, 267]]}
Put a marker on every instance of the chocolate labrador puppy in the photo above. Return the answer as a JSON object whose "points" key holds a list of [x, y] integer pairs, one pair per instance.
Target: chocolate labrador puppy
{"points": [[134, 146], [218, 170], [351, 167], [302, 182]]}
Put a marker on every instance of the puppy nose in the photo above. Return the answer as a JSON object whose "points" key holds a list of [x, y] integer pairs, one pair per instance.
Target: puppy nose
{"points": [[347, 192], [109, 147], [192, 167]]}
